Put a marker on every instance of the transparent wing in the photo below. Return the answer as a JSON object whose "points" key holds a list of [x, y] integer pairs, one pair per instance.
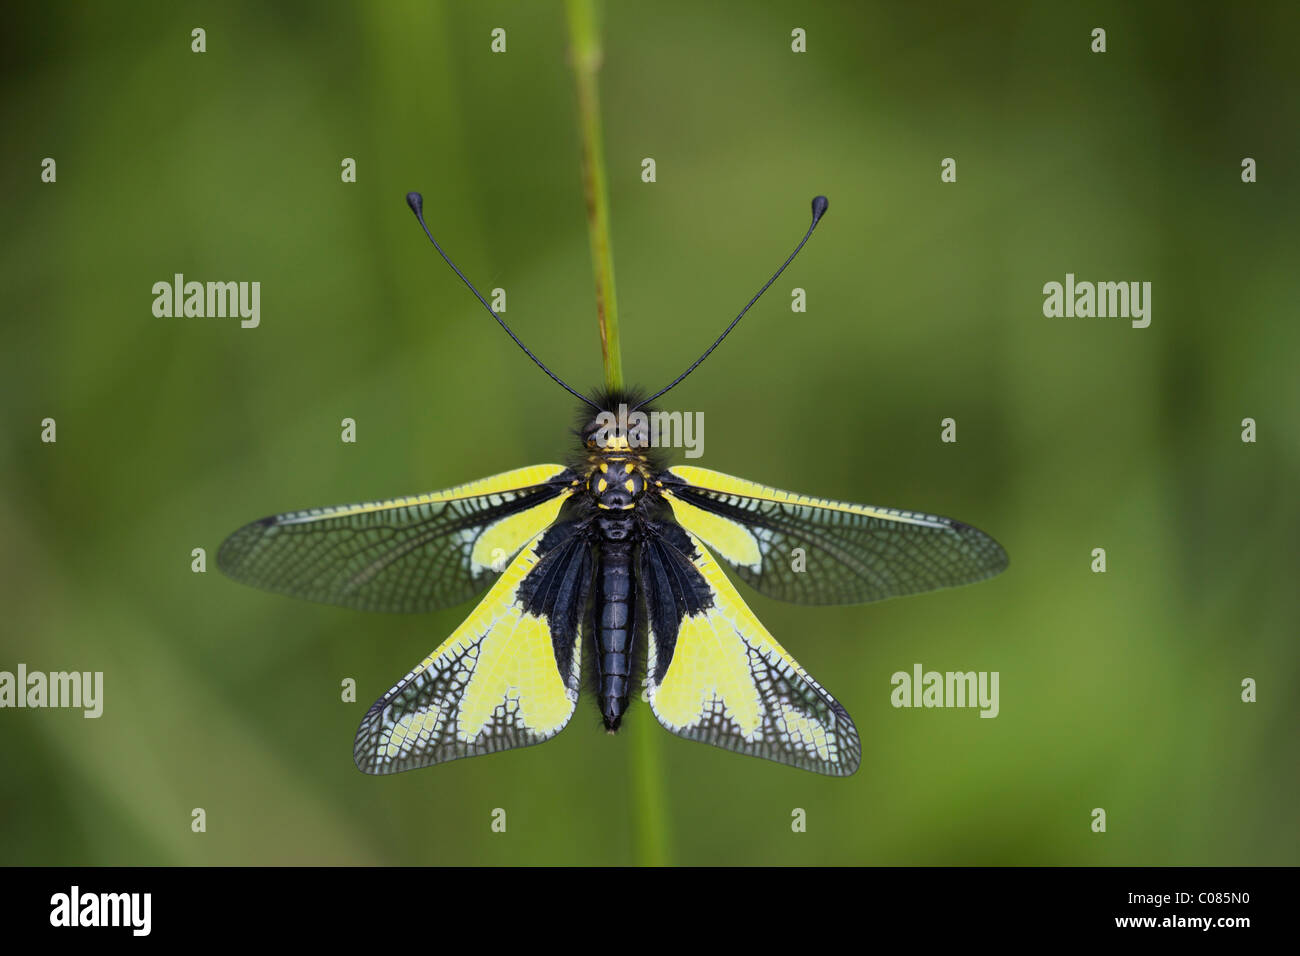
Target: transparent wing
{"points": [[814, 551], [407, 554], [714, 674], [501, 680]]}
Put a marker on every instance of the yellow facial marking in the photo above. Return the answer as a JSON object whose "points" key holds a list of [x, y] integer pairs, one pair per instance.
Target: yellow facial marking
{"points": [[630, 486]]}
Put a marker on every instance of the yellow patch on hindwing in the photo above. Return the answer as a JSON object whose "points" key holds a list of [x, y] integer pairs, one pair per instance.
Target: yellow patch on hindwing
{"points": [[503, 660], [733, 541]]}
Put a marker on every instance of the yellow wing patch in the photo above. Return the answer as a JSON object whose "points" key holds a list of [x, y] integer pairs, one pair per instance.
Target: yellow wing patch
{"points": [[730, 684], [732, 540], [492, 685], [499, 541], [710, 665]]}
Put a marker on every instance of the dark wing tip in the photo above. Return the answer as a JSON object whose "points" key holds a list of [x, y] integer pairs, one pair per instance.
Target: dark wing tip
{"points": [[992, 557], [363, 747], [850, 742], [240, 543]]}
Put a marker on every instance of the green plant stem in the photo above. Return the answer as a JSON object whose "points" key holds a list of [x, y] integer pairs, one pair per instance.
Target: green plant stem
{"points": [[651, 846], [650, 821], [585, 55]]}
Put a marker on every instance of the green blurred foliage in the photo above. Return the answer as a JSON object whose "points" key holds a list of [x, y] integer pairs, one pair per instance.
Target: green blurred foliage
{"points": [[924, 301]]}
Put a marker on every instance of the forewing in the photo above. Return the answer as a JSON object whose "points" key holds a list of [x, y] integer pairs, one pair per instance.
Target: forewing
{"points": [[814, 551], [714, 674], [505, 678], [406, 554]]}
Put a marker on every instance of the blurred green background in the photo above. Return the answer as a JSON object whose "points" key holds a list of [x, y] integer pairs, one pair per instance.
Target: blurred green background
{"points": [[1118, 690]]}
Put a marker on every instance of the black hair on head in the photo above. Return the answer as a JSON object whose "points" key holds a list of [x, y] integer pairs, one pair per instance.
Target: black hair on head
{"points": [[605, 400], [609, 400]]}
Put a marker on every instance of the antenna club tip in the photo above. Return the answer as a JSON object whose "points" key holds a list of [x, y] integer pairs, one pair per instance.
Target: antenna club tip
{"points": [[819, 206], [416, 202]]}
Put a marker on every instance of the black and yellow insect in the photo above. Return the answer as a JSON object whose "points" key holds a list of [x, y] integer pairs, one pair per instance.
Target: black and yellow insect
{"points": [[612, 558]]}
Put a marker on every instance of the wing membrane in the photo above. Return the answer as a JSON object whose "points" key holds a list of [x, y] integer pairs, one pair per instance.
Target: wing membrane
{"points": [[717, 676], [406, 554], [505, 678], [814, 551]]}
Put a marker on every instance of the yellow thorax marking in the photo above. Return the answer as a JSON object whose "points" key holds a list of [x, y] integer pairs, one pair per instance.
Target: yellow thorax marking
{"points": [[631, 463]]}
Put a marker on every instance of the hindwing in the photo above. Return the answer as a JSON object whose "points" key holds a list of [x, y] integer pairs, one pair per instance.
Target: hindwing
{"points": [[507, 677], [714, 674]]}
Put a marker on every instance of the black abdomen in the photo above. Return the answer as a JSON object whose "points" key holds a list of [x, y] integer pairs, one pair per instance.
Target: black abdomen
{"points": [[614, 625]]}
